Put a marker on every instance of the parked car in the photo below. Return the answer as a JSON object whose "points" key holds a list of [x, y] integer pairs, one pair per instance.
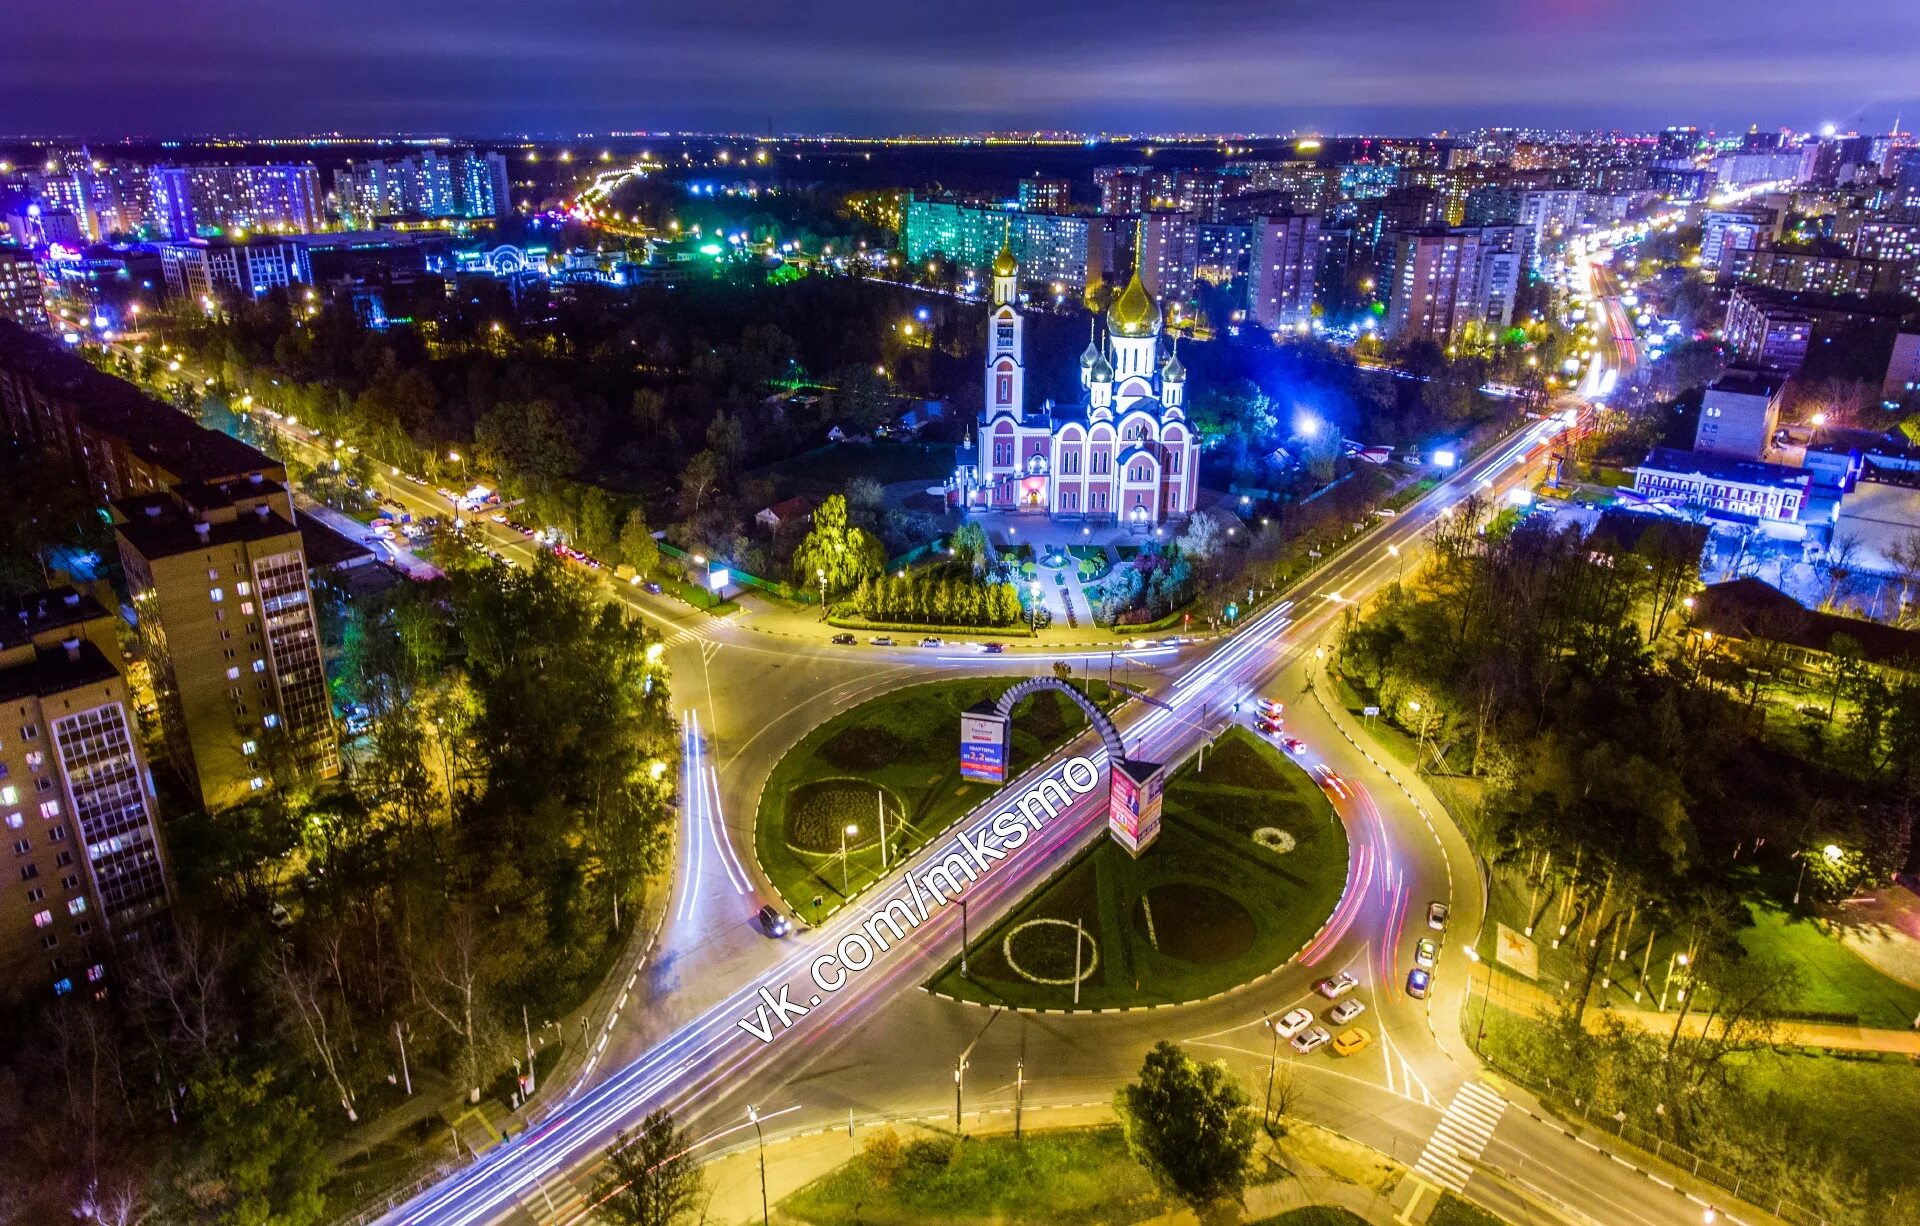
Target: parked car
{"points": [[1351, 1042], [845, 640], [1292, 1022], [1311, 1038], [931, 641], [1437, 916], [1345, 1012], [1426, 953], [1338, 986], [773, 922], [1419, 981], [881, 640]]}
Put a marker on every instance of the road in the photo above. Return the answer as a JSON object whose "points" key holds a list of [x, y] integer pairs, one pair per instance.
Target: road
{"points": [[879, 1046]]}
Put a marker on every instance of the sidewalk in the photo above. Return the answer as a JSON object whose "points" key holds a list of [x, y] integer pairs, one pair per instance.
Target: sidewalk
{"points": [[1537, 1002]]}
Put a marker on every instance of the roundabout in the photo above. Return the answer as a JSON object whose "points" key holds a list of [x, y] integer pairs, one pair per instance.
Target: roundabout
{"points": [[1212, 905]]}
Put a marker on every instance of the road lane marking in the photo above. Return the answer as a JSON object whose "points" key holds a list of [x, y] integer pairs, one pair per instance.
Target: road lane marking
{"points": [[1464, 1129]]}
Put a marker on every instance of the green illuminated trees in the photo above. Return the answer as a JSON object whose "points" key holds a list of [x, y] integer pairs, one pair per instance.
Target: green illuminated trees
{"points": [[836, 551], [1188, 1124]]}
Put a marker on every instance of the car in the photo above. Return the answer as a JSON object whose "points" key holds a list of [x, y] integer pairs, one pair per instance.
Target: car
{"points": [[1426, 953], [1345, 1012], [1310, 1038], [650, 587], [773, 922], [931, 641], [1292, 1022], [1419, 982], [1338, 986], [845, 640], [1437, 914], [993, 649], [1271, 708], [278, 917], [1352, 1041], [1270, 726], [881, 640], [1294, 745], [498, 517]]}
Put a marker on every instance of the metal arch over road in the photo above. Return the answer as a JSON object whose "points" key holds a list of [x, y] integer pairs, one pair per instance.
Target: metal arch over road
{"points": [[1109, 734]]}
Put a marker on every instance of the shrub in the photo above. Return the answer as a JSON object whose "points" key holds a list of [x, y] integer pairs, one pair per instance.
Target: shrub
{"points": [[883, 1156]]}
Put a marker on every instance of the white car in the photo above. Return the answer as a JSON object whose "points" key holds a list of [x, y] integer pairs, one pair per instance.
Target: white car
{"points": [[1311, 1038], [1437, 916], [1338, 986], [1292, 1022], [1345, 1012]]}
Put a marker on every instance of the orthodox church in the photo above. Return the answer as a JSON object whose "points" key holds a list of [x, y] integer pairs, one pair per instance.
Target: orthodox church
{"points": [[1123, 453]]}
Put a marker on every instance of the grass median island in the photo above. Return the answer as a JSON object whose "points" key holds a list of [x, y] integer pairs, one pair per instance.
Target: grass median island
{"points": [[1068, 1176], [1249, 863], [905, 747]]}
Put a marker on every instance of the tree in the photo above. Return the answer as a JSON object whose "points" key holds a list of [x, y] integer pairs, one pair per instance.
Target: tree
{"points": [[844, 553], [1188, 1124], [256, 1157], [699, 483], [638, 549], [650, 1179], [1202, 539]]}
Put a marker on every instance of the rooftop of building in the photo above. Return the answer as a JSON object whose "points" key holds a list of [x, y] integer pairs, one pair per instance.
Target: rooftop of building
{"points": [[159, 527], [57, 670], [158, 435], [22, 618], [326, 548], [1750, 609], [1748, 381], [1748, 472], [1810, 301]]}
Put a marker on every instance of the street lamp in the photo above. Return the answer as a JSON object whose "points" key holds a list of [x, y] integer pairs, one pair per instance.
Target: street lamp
{"points": [[1033, 608], [1486, 994], [845, 832], [820, 573], [1679, 959], [754, 1115]]}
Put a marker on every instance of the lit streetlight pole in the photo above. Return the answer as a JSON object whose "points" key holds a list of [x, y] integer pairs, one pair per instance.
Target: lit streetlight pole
{"points": [[754, 1115], [820, 573], [1480, 1034], [845, 832]]}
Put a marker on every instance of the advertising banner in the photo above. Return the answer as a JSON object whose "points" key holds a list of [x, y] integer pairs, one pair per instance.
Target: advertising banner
{"points": [[983, 746], [1133, 804]]}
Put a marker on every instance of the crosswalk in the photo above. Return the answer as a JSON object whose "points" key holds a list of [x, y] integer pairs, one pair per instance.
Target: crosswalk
{"points": [[1464, 1130], [555, 1201]]}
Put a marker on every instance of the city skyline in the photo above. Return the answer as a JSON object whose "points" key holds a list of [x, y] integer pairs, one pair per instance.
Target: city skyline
{"points": [[1234, 67]]}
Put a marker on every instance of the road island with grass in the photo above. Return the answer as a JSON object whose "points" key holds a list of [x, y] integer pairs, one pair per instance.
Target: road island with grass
{"points": [[1249, 864]]}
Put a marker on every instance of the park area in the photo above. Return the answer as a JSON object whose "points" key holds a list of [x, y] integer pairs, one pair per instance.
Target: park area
{"points": [[1249, 863], [900, 750]]}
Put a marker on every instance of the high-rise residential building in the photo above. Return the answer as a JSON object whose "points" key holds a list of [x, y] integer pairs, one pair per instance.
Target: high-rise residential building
{"points": [[1902, 383], [462, 183], [1041, 195], [1737, 228], [1432, 289], [200, 268], [22, 298], [1895, 245], [212, 550], [967, 234], [1281, 268], [1548, 213], [218, 576], [190, 201], [1197, 192], [1168, 254], [1124, 190], [1824, 269], [1677, 144], [1068, 249], [1767, 330], [1222, 250], [76, 799]]}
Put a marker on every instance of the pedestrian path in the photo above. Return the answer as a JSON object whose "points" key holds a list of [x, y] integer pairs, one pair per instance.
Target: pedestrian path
{"points": [[1464, 1130]]}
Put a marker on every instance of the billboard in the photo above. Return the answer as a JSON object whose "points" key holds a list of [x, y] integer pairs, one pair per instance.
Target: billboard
{"points": [[1133, 804], [983, 745]]}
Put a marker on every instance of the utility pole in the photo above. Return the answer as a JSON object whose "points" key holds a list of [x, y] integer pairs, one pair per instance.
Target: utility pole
{"points": [[1273, 1059], [959, 1076], [755, 1117], [880, 800]]}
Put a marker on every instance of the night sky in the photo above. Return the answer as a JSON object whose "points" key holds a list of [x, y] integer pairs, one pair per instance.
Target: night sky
{"points": [[489, 67]]}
